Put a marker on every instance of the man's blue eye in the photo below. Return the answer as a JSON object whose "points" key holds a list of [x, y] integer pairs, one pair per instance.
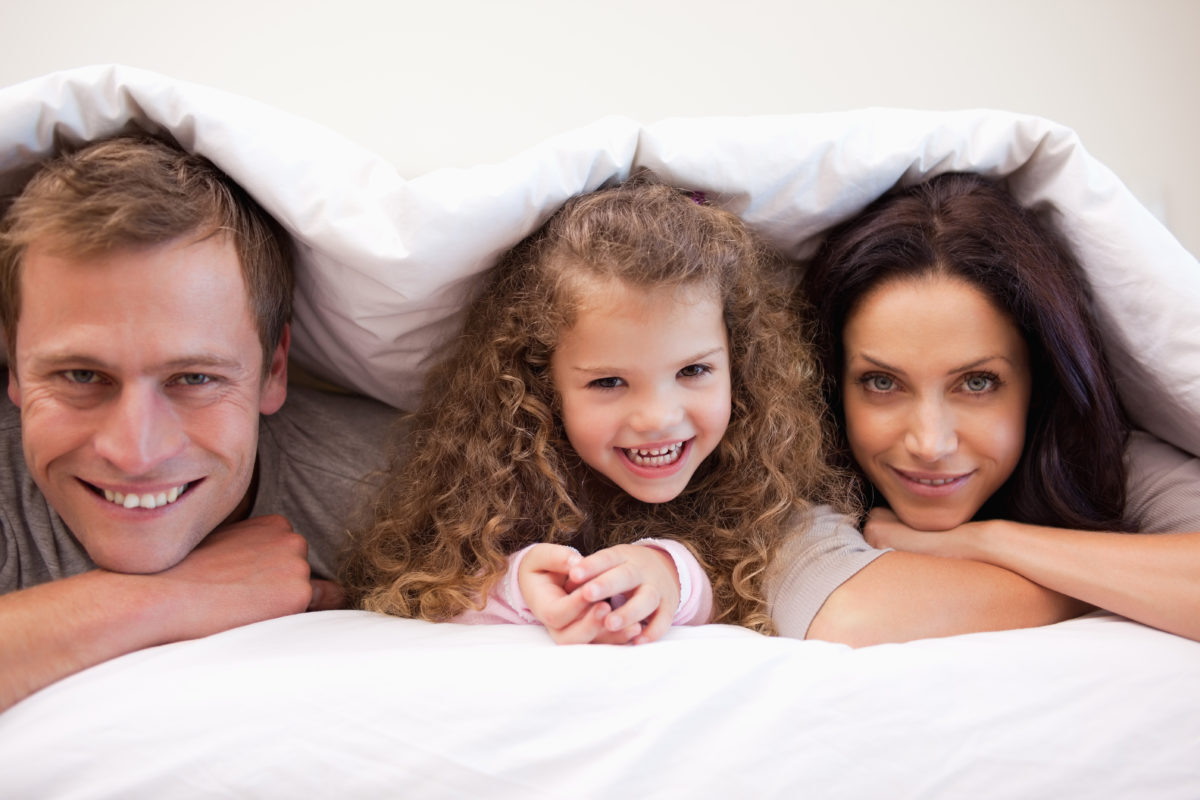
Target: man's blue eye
{"points": [[81, 376], [193, 379]]}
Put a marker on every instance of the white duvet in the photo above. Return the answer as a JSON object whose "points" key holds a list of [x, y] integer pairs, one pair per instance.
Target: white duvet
{"points": [[349, 704], [352, 704]]}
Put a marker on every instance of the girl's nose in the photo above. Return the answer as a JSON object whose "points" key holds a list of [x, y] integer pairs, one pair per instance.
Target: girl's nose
{"points": [[656, 411]]}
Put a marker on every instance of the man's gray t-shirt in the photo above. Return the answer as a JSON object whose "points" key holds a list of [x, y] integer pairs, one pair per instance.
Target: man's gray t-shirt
{"points": [[315, 459]]}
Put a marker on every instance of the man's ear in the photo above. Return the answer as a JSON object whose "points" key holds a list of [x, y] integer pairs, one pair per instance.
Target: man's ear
{"points": [[14, 388], [274, 390]]}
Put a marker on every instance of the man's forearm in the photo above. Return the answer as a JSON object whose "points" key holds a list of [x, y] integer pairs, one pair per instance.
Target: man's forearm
{"points": [[59, 628], [242, 573]]}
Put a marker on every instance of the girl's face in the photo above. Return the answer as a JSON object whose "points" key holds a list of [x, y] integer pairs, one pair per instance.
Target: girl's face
{"points": [[936, 391], [644, 378]]}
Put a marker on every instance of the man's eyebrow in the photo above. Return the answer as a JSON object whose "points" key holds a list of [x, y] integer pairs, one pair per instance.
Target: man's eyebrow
{"points": [[202, 361], [190, 363]]}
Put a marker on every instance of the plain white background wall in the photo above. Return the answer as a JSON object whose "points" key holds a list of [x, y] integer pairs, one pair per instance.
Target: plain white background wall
{"points": [[458, 82]]}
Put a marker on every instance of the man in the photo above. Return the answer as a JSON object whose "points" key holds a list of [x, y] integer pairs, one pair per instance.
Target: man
{"points": [[145, 302]]}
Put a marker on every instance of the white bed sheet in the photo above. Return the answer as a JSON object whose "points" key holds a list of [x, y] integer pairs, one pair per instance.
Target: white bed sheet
{"points": [[351, 704]]}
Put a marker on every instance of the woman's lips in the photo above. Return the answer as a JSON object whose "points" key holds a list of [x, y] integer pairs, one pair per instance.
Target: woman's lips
{"points": [[932, 484]]}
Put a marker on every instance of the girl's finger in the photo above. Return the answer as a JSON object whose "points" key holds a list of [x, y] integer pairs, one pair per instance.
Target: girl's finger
{"points": [[655, 628], [624, 636], [583, 630], [566, 610], [552, 558], [624, 578], [637, 608], [599, 562]]}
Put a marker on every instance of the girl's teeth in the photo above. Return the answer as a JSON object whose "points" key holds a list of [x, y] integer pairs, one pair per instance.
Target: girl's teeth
{"points": [[656, 456]]}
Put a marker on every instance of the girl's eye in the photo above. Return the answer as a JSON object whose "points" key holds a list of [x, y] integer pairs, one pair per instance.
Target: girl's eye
{"points": [[980, 382], [193, 379], [694, 371], [605, 383], [878, 383]]}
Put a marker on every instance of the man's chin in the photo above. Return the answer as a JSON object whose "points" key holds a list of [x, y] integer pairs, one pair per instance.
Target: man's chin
{"points": [[135, 561]]}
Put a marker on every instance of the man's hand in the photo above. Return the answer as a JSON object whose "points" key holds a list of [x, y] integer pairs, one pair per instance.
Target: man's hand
{"points": [[241, 573]]}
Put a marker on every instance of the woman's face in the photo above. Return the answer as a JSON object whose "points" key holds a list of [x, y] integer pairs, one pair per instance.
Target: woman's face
{"points": [[936, 391]]}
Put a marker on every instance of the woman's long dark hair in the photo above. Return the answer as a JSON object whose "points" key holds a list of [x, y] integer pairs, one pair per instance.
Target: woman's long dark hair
{"points": [[1071, 473]]}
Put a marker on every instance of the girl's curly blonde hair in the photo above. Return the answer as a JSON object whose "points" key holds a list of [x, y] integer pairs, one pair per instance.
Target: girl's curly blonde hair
{"points": [[485, 467]]}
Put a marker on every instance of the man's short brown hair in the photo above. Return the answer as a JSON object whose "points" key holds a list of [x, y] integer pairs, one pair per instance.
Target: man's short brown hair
{"points": [[138, 191]]}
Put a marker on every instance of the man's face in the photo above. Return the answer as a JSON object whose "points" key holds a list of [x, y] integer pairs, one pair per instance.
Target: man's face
{"points": [[139, 378]]}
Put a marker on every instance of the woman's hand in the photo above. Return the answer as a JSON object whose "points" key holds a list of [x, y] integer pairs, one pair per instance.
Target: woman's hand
{"points": [[884, 529]]}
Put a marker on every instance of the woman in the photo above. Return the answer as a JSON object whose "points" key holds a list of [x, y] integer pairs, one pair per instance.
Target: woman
{"points": [[975, 404]]}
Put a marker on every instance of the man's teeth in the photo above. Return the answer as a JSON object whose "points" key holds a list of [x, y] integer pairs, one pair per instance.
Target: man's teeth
{"points": [[145, 500], [655, 457]]}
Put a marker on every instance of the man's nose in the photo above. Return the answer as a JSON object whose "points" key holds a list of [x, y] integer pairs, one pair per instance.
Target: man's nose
{"points": [[931, 434], [139, 430]]}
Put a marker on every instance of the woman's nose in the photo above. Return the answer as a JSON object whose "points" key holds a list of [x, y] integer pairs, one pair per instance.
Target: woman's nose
{"points": [[931, 433]]}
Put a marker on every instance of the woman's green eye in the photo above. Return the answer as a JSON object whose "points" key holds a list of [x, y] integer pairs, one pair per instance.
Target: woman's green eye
{"points": [[978, 383]]}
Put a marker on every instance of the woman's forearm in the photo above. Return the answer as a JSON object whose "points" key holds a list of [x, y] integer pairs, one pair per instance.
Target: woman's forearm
{"points": [[1151, 578]]}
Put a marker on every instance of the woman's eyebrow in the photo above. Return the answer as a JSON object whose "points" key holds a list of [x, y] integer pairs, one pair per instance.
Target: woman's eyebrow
{"points": [[978, 363], [961, 368], [880, 363]]}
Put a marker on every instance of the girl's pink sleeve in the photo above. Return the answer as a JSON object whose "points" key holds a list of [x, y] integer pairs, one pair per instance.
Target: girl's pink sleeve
{"points": [[695, 590], [505, 603]]}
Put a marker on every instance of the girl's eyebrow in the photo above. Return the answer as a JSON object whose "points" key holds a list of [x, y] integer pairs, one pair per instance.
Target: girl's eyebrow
{"points": [[610, 370], [961, 368], [704, 355]]}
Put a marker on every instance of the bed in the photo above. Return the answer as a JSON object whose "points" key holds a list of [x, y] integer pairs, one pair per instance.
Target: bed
{"points": [[352, 704]]}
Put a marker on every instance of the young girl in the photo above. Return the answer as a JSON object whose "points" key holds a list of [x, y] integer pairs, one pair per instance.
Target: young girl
{"points": [[628, 397], [976, 406]]}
